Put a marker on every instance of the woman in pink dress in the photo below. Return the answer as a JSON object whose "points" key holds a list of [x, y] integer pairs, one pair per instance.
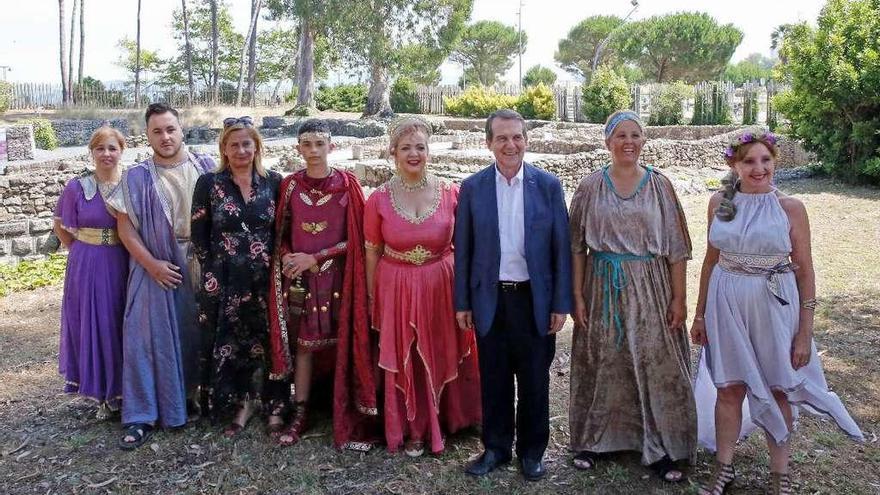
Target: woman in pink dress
{"points": [[430, 366]]}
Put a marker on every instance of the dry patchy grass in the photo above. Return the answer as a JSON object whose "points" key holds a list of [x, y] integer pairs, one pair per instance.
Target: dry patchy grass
{"points": [[51, 443]]}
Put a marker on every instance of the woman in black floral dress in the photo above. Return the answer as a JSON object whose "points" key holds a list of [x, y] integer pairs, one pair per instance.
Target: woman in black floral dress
{"points": [[232, 214]]}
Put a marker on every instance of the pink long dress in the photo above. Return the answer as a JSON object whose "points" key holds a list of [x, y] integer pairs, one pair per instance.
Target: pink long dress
{"points": [[430, 367]]}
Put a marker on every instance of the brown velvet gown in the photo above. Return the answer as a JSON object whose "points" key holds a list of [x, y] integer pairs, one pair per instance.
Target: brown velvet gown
{"points": [[630, 381]]}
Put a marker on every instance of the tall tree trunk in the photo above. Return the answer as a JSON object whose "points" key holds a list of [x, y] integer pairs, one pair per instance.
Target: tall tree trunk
{"points": [[379, 95], [137, 63], [215, 70], [82, 43], [255, 11], [306, 65], [70, 53], [189, 70], [252, 54], [62, 54]]}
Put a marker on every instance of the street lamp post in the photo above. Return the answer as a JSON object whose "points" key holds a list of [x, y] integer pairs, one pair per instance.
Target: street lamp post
{"points": [[519, 43], [601, 45], [4, 69]]}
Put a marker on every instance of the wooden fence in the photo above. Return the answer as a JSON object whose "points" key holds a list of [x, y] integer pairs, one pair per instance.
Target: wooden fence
{"points": [[569, 104], [33, 96]]}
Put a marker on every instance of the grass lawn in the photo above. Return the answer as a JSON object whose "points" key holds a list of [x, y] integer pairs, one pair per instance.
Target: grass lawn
{"points": [[50, 442]]}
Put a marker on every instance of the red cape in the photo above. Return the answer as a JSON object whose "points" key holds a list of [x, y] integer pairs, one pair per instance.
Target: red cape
{"points": [[356, 369]]}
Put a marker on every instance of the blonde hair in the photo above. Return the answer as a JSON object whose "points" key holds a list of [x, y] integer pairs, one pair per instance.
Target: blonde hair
{"points": [[258, 145], [106, 132], [405, 127], [736, 152]]}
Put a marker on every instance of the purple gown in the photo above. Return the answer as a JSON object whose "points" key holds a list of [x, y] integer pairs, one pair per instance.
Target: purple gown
{"points": [[90, 355]]}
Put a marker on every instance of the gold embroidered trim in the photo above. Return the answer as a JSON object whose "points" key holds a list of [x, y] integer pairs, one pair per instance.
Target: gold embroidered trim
{"points": [[279, 298], [732, 261], [316, 343], [416, 256], [98, 237], [314, 228], [321, 201], [372, 246], [369, 411]]}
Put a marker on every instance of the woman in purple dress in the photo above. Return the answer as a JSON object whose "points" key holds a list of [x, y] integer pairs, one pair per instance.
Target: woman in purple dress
{"points": [[90, 357]]}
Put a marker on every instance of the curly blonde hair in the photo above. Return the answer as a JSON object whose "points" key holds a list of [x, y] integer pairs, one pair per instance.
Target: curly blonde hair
{"points": [[735, 152]]}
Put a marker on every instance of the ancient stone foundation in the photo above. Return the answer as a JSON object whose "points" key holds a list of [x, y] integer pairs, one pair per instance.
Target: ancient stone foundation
{"points": [[20, 143]]}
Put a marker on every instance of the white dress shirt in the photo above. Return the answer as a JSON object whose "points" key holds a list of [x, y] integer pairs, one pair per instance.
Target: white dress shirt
{"points": [[511, 227]]}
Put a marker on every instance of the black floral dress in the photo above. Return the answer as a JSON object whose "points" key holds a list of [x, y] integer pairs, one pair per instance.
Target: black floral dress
{"points": [[233, 239]]}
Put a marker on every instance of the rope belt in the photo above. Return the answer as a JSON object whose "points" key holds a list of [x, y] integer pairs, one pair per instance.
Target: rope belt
{"points": [[770, 266], [97, 237], [608, 267]]}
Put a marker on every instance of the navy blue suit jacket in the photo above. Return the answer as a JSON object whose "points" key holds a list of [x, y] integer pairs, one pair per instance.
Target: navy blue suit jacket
{"points": [[478, 247]]}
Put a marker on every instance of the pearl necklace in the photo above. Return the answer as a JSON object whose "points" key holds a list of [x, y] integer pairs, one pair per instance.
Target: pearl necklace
{"points": [[417, 186]]}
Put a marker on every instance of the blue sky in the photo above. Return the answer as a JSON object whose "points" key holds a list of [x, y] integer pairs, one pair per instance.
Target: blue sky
{"points": [[29, 29]]}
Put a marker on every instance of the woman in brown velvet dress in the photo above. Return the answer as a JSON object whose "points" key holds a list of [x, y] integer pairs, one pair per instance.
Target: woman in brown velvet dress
{"points": [[630, 368]]}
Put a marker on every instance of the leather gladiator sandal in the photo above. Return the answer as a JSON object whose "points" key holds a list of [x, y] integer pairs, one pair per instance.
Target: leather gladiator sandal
{"points": [[780, 484], [722, 480], [293, 433]]}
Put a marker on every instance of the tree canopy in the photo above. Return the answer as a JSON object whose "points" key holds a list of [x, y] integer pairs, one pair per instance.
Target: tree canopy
{"points": [[834, 101], [487, 49], [538, 74], [754, 67], [687, 46], [577, 50]]}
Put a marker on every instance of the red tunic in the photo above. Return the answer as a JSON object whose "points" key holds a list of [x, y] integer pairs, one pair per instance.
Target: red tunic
{"points": [[355, 369], [432, 384]]}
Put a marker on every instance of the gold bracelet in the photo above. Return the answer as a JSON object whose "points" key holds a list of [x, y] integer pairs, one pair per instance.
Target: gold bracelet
{"points": [[809, 304]]}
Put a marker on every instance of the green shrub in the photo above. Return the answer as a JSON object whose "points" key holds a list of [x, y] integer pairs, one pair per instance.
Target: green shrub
{"points": [[342, 98], [606, 93], [404, 96], [667, 106], [537, 102], [538, 74], [29, 275], [833, 105], [44, 133], [711, 105], [5, 96], [478, 102]]}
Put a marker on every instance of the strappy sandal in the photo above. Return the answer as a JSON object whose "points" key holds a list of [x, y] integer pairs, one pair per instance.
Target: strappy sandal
{"points": [[140, 432], [293, 433], [275, 419], [722, 480], [235, 427], [585, 460], [780, 484], [668, 471]]}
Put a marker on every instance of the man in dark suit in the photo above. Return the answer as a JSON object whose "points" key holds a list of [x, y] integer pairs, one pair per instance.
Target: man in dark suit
{"points": [[513, 283]]}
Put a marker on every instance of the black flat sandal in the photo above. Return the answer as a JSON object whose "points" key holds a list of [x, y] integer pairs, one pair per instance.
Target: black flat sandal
{"points": [[141, 432], [585, 460], [668, 471]]}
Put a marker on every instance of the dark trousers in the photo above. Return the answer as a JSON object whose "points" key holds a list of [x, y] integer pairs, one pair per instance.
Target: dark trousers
{"points": [[513, 348]]}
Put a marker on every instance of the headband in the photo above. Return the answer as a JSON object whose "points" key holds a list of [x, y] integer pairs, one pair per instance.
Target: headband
{"points": [[620, 117], [315, 135]]}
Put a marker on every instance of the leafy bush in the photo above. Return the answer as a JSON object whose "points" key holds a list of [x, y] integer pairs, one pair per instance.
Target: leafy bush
{"points": [[342, 98], [538, 74], [606, 93], [750, 105], [44, 133], [711, 105], [5, 96], [833, 105], [405, 96], [478, 102], [667, 106], [537, 102], [29, 275]]}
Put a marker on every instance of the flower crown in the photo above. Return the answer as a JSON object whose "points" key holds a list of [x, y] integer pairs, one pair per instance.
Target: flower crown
{"points": [[749, 137]]}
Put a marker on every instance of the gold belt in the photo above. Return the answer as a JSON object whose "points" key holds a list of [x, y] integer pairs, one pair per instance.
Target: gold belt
{"points": [[769, 266], [98, 237], [416, 256]]}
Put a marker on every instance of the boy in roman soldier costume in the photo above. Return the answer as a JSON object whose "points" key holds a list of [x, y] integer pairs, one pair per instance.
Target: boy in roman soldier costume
{"points": [[318, 299]]}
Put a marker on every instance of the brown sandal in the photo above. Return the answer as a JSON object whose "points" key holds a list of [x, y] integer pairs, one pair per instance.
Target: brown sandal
{"points": [[722, 480], [275, 420], [780, 484], [293, 433]]}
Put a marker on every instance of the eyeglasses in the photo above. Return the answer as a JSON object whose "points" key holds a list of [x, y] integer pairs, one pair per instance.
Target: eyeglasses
{"points": [[246, 121]]}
